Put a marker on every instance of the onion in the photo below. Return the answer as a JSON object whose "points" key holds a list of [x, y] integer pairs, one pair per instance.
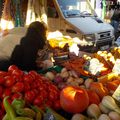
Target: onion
{"points": [[58, 79], [62, 85]]}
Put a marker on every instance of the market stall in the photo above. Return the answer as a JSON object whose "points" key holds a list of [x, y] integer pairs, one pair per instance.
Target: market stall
{"points": [[79, 86]]}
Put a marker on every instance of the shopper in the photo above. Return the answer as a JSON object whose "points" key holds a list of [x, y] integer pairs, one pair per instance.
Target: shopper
{"points": [[115, 19], [24, 54]]}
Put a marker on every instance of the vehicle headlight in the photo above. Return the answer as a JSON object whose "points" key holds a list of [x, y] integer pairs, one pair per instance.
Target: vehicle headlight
{"points": [[90, 37]]}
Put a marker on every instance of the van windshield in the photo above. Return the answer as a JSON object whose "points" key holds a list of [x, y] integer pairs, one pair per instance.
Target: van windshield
{"points": [[72, 8]]}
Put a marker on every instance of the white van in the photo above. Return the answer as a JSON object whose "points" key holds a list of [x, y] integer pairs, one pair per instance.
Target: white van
{"points": [[77, 19]]}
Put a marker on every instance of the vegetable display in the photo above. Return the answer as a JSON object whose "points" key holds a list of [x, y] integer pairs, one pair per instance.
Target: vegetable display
{"points": [[77, 91], [32, 87]]}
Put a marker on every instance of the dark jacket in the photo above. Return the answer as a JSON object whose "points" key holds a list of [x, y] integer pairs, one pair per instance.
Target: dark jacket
{"points": [[25, 54]]}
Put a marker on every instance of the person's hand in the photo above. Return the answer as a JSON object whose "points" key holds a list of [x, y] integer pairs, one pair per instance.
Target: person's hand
{"points": [[47, 64], [39, 64], [44, 64]]}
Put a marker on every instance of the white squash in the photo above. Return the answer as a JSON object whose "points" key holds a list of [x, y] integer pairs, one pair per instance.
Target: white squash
{"points": [[78, 116], [114, 115], [104, 117], [110, 103], [93, 111], [103, 108]]}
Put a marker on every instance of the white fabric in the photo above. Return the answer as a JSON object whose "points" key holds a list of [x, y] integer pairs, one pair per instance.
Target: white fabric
{"points": [[8, 42]]}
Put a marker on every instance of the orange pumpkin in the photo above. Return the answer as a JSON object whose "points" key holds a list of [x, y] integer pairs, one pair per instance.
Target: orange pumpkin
{"points": [[74, 99]]}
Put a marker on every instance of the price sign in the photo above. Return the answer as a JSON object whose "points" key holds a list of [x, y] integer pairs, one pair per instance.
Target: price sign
{"points": [[116, 67], [116, 94]]}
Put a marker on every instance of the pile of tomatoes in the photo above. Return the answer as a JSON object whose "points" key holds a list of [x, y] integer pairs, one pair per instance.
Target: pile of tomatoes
{"points": [[34, 88]]}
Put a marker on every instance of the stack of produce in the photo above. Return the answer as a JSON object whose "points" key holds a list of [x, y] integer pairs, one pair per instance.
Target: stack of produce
{"points": [[34, 88], [86, 98], [18, 110], [82, 90]]}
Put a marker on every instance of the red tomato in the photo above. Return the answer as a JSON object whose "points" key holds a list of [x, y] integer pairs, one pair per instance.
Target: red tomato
{"points": [[52, 87], [44, 94], [29, 96], [28, 78], [27, 87], [9, 81], [6, 92], [17, 78], [2, 80], [33, 74], [56, 94], [1, 91], [18, 87], [38, 76], [2, 73], [12, 68], [49, 103], [38, 100], [2, 107], [1, 114], [35, 91], [41, 88], [16, 95], [34, 85], [17, 72], [51, 96], [39, 83], [57, 105]]}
